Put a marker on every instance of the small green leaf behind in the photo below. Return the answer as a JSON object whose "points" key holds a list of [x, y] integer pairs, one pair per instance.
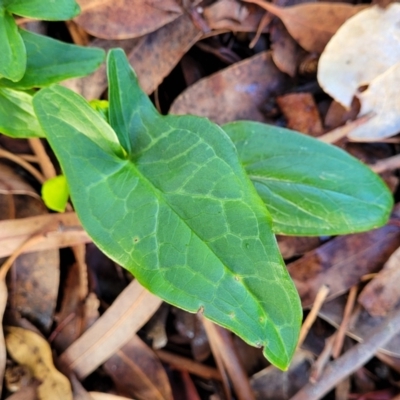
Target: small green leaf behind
{"points": [[23, 123], [51, 61], [55, 193], [49, 10], [176, 208], [12, 48], [309, 187]]}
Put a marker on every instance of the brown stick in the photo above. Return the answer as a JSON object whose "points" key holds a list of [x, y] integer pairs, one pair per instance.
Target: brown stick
{"points": [[355, 358]]}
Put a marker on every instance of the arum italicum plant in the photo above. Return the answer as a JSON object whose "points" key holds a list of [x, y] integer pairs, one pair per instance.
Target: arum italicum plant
{"points": [[191, 209]]}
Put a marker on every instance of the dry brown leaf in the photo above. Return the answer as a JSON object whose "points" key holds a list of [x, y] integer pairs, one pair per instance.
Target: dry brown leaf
{"points": [[34, 286], [129, 312], [29, 349], [63, 230], [238, 92], [295, 246], [286, 53], [137, 372], [76, 313], [342, 262], [357, 54], [153, 57], [125, 19], [272, 383], [301, 113], [312, 24], [382, 294], [157, 54], [233, 15]]}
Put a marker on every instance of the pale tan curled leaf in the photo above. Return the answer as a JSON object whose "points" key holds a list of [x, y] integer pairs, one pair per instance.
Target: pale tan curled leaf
{"points": [[363, 48], [62, 230], [125, 19], [312, 24], [129, 312], [382, 101], [240, 91], [29, 349], [383, 292]]}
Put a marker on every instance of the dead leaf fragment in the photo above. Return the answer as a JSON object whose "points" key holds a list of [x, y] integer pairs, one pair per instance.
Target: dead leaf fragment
{"points": [[138, 373], [383, 292], [125, 19], [301, 113], [241, 91], [233, 15], [342, 262], [62, 230], [357, 53], [382, 101], [129, 312], [312, 24], [29, 349]]}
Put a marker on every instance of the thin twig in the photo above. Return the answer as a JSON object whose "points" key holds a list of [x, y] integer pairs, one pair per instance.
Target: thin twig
{"points": [[339, 133], [353, 359], [337, 348], [20, 161], [388, 164], [44, 161], [313, 314], [186, 364], [323, 359]]}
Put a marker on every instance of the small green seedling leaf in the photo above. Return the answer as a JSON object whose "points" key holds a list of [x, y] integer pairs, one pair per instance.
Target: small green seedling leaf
{"points": [[55, 193], [12, 48], [49, 10], [17, 118], [51, 61], [175, 207], [309, 187]]}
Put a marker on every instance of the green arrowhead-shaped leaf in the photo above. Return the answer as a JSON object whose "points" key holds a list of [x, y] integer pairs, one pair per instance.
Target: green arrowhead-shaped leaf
{"points": [[175, 208], [51, 61], [17, 118], [309, 187], [49, 10], [12, 49]]}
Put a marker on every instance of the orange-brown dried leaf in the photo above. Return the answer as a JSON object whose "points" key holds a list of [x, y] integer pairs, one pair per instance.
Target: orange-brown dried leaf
{"points": [[301, 113], [312, 24], [241, 91], [124, 19], [138, 373], [382, 294]]}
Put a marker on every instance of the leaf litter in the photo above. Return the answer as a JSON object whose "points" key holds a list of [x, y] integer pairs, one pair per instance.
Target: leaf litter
{"points": [[226, 60]]}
